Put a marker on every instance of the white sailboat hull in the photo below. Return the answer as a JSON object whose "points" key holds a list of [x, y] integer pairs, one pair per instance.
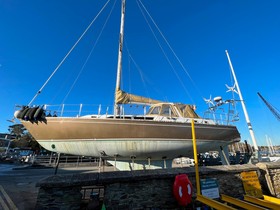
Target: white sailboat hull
{"points": [[126, 138], [125, 149]]}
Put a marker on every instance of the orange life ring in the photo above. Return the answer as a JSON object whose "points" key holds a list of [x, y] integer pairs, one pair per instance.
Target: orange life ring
{"points": [[182, 189]]}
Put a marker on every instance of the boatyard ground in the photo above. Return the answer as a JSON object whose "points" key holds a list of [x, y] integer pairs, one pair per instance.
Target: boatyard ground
{"points": [[18, 183], [18, 179]]}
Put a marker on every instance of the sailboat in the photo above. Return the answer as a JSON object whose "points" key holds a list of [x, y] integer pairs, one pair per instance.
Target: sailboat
{"points": [[150, 140]]}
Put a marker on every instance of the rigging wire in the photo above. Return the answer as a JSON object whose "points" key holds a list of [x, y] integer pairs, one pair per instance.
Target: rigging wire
{"points": [[144, 77], [175, 55], [158, 42], [69, 52], [87, 59], [139, 70]]}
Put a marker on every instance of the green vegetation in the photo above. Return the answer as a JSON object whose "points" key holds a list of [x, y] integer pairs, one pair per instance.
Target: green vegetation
{"points": [[23, 139]]}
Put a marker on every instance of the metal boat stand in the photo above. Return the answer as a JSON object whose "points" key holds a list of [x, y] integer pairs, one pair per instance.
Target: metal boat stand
{"points": [[224, 154], [149, 162], [57, 163], [115, 163], [132, 161], [164, 162]]}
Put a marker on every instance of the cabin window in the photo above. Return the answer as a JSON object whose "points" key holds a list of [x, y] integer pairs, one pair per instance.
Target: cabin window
{"points": [[155, 110], [183, 109], [165, 110]]}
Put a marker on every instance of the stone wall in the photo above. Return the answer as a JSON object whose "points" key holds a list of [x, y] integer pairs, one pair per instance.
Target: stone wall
{"points": [[155, 191], [62, 198], [270, 177], [146, 194], [150, 189]]}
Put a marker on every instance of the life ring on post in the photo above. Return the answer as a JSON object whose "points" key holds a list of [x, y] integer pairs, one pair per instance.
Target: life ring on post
{"points": [[182, 189]]}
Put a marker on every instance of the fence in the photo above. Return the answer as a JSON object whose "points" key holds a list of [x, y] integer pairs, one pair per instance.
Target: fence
{"points": [[65, 160]]}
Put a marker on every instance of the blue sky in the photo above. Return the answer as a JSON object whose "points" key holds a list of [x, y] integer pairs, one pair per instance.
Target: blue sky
{"points": [[37, 34]]}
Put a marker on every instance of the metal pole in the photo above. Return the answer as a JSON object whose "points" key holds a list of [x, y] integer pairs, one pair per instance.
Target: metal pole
{"points": [[132, 158], [7, 149], [195, 160], [224, 157], [57, 163], [243, 105], [115, 165], [119, 69], [99, 165], [50, 162], [78, 159]]}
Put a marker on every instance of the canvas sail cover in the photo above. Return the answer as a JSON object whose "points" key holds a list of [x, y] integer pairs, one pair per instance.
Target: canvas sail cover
{"points": [[126, 98], [188, 110]]}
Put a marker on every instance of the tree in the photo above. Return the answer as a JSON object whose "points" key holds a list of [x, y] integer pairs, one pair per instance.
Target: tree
{"points": [[17, 130], [23, 137]]}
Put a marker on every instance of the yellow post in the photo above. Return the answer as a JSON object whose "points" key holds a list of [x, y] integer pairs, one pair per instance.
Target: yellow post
{"points": [[195, 160]]}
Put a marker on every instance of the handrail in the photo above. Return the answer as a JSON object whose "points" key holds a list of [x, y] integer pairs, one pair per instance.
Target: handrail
{"points": [[213, 203], [261, 202], [97, 110], [240, 203]]}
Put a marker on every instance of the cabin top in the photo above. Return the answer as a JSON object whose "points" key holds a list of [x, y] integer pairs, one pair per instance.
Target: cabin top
{"points": [[173, 110]]}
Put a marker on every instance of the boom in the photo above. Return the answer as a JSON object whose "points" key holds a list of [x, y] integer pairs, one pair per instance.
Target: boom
{"points": [[274, 111]]}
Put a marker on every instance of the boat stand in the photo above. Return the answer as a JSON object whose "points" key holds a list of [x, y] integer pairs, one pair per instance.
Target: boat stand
{"points": [[132, 163], [224, 154], [57, 163], [149, 163], [164, 162], [115, 164], [99, 164]]}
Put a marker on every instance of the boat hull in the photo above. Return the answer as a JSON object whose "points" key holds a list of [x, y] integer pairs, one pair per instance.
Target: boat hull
{"points": [[126, 138]]}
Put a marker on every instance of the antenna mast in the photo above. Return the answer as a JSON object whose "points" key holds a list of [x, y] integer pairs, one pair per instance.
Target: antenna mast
{"points": [[243, 105]]}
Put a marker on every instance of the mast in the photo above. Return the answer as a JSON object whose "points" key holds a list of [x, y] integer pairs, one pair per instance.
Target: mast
{"points": [[243, 106], [119, 69]]}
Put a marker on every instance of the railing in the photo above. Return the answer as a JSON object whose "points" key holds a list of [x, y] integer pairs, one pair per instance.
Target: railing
{"points": [[219, 116], [77, 110], [65, 160]]}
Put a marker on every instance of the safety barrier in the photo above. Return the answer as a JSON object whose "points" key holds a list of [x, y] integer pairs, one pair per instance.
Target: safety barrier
{"points": [[271, 199], [240, 203], [261, 202], [213, 203], [249, 202]]}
